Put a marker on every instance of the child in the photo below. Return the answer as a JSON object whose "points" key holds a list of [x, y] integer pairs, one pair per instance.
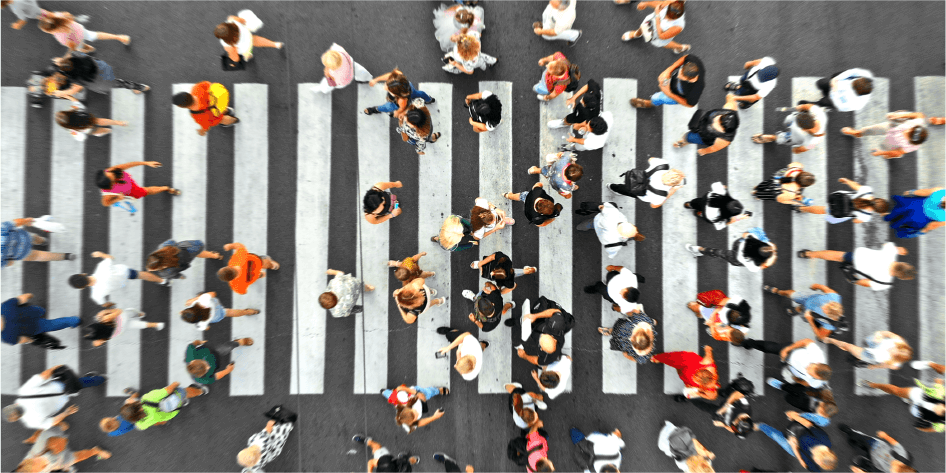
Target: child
{"points": [[244, 268], [108, 276], [206, 309]]}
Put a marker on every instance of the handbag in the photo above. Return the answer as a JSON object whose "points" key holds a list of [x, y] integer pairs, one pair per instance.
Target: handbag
{"points": [[851, 274], [281, 415], [638, 182], [124, 204], [712, 298], [230, 65]]}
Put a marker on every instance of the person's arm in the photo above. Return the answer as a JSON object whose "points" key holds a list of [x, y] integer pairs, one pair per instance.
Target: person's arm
{"points": [[665, 75], [99, 254], [853, 185], [171, 387], [129, 165], [820, 333], [61, 417], [233, 246], [572, 139], [702, 450], [735, 396], [546, 60], [717, 145], [887, 438], [672, 190], [18, 24], [894, 153], [534, 359], [232, 53], [799, 149], [574, 99], [270, 425], [48, 373], [455, 343], [662, 33], [793, 442], [485, 260], [932, 226], [472, 97], [68, 93], [224, 372], [472, 318], [904, 115], [708, 356], [433, 417], [535, 376], [799, 344], [923, 192], [209, 254], [381, 78], [401, 111], [792, 415], [388, 185], [751, 64], [542, 315], [855, 469], [477, 126], [748, 98]]}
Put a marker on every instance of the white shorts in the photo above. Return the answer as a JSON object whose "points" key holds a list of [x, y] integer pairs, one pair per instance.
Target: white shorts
{"points": [[381, 452], [90, 36]]}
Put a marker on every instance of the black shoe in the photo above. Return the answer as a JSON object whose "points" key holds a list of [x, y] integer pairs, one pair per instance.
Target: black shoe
{"points": [[443, 330], [572, 43], [590, 289], [432, 100], [845, 428], [69, 257], [510, 323], [229, 111], [679, 398], [485, 344], [371, 111], [612, 187]]}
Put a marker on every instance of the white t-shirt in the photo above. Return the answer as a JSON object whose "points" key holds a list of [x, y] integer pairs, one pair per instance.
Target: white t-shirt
{"points": [[38, 412], [204, 301], [481, 202], [606, 226], [763, 88], [109, 276], [656, 183], [800, 358], [876, 264], [593, 141], [527, 403], [625, 279], [801, 137], [606, 445], [471, 346], [564, 369], [843, 96], [559, 20]]}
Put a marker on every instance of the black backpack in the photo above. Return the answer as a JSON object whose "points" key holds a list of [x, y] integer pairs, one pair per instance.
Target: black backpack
{"points": [[638, 182], [517, 451], [840, 204], [574, 77]]}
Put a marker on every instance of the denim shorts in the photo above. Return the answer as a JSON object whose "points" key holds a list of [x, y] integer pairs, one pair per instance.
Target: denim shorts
{"points": [[523, 196], [849, 257], [694, 138]]}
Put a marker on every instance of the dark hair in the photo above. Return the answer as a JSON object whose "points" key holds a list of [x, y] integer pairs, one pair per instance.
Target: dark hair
{"points": [[736, 337], [195, 314], [574, 171], [75, 119], [480, 217], [609, 468], [482, 108], [734, 207], [162, 258], [133, 411], [373, 198], [328, 300], [729, 121], [675, 10], [485, 308], [499, 273], [103, 182], [591, 101], [98, 331], [598, 125], [544, 207], [398, 85], [733, 316], [227, 32], [464, 17], [822, 371], [79, 281], [182, 99], [52, 22], [632, 294], [806, 120], [417, 118], [744, 427], [544, 465], [918, 135], [804, 179], [690, 69], [227, 273], [862, 86], [549, 380]]}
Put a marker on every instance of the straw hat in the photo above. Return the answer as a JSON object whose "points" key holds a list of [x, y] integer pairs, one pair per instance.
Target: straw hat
{"points": [[451, 232]]}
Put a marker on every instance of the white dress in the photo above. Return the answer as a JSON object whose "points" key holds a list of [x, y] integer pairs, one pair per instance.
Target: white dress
{"points": [[482, 60], [445, 25], [244, 43]]}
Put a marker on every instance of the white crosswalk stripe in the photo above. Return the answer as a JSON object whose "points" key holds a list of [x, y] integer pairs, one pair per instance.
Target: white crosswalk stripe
{"points": [[13, 108]]}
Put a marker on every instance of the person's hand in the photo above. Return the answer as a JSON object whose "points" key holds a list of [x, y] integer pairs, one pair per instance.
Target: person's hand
{"points": [[231, 365], [201, 132], [72, 410], [18, 24], [97, 254], [842, 180], [20, 222], [371, 83], [396, 212], [472, 318], [153, 164], [877, 152], [439, 413], [642, 6], [901, 251], [537, 31], [665, 82], [444, 350], [521, 353], [199, 342]]}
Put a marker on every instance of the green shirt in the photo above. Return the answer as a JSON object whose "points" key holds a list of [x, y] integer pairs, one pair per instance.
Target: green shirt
{"points": [[153, 414], [202, 353]]}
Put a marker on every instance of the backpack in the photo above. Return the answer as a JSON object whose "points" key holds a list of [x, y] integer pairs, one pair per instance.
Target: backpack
{"points": [[638, 182], [840, 204], [681, 444], [517, 451], [574, 76]]}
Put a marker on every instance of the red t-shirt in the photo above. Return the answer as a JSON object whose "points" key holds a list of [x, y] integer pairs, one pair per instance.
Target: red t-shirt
{"points": [[540, 445], [550, 79]]}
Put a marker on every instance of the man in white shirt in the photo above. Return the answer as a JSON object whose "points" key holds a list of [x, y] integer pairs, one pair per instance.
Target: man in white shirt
{"points": [[865, 267], [846, 91], [806, 129], [758, 81], [469, 351], [41, 397], [602, 451], [557, 20], [594, 133], [612, 228], [108, 277], [553, 379], [805, 362], [620, 289]]}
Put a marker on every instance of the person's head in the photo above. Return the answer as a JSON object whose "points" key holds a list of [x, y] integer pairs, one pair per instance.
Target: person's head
{"points": [[824, 457], [228, 33], [195, 314], [917, 135], [675, 10], [5, 3], [548, 343], [183, 99], [482, 108], [198, 368], [464, 17], [672, 178], [627, 230], [827, 409], [109, 424], [733, 316], [804, 179], [901, 353], [417, 118], [549, 379], [699, 464], [743, 426], [609, 468], [55, 23], [465, 364], [833, 310], [642, 341], [862, 86], [598, 125], [249, 456], [328, 300], [162, 258], [227, 273], [12, 413], [80, 281], [528, 416], [105, 179], [736, 337], [689, 72], [705, 378], [631, 294], [544, 465], [499, 274], [768, 73], [734, 208], [557, 68], [397, 84], [98, 331], [485, 308], [402, 274], [573, 172], [480, 217], [819, 371], [592, 101], [729, 121], [331, 59], [133, 411], [545, 206], [805, 120], [71, 120], [903, 271], [560, 4], [468, 47], [408, 296]]}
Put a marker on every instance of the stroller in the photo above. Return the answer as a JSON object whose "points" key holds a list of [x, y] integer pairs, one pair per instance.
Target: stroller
{"points": [[36, 83]]}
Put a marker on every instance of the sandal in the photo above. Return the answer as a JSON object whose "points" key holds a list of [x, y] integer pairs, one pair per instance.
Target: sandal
{"points": [[637, 102], [683, 49], [141, 88], [680, 144], [604, 331], [444, 391], [803, 254], [254, 311], [435, 239], [435, 137], [506, 195], [791, 311], [770, 289], [371, 111], [174, 191], [629, 35]]}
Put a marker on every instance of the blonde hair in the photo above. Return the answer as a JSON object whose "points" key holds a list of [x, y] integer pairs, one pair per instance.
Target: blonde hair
{"points": [[198, 368], [699, 464], [466, 364], [825, 458], [902, 353], [248, 457], [468, 47], [331, 59], [672, 177], [547, 342], [833, 310]]}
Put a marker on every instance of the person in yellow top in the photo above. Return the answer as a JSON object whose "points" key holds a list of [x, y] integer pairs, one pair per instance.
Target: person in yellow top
{"points": [[244, 268]]}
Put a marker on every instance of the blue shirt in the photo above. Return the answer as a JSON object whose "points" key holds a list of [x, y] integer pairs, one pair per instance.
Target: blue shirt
{"points": [[814, 302], [19, 320], [123, 427], [15, 243], [812, 438], [554, 173], [189, 249]]}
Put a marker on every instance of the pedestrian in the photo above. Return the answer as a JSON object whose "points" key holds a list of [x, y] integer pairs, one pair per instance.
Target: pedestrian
{"points": [[557, 21], [497, 267], [858, 204], [805, 129], [726, 320], [540, 208], [174, 257], [456, 20], [903, 133], [17, 244], [449, 464], [612, 228], [26, 323], [590, 135], [804, 361], [882, 350], [54, 83], [486, 218], [380, 204], [488, 306], [467, 55], [735, 413], [600, 452], [681, 83], [417, 128], [244, 268], [203, 362], [80, 123], [845, 91], [786, 186], [71, 34], [342, 293], [917, 212], [662, 26], [469, 351], [403, 393], [753, 250], [524, 406], [264, 446], [401, 93], [486, 111], [205, 309], [209, 106], [865, 267], [585, 105], [108, 277], [881, 453], [50, 452], [117, 184], [543, 332], [553, 379], [654, 185], [340, 70], [237, 37], [456, 234], [409, 269], [825, 310], [714, 129], [414, 298], [110, 323], [381, 458], [698, 373], [562, 170], [805, 441], [159, 406], [40, 400], [24, 10], [633, 336], [814, 401], [926, 402], [620, 288], [758, 81], [556, 77], [686, 451], [531, 449], [718, 207], [94, 73], [410, 414]]}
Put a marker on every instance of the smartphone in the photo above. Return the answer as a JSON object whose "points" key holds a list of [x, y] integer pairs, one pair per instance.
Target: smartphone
{"points": [[438, 354]]}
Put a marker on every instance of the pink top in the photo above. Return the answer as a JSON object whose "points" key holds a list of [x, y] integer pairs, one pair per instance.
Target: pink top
{"points": [[346, 72], [896, 138], [123, 189], [76, 34]]}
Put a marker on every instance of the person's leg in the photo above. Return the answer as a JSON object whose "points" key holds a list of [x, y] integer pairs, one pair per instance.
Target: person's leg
{"points": [[226, 348], [139, 324], [228, 120], [677, 47], [259, 41], [705, 406], [660, 98], [938, 368], [134, 86], [240, 312], [152, 190], [148, 276], [827, 255], [39, 255], [386, 107], [540, 87], [193, 391], [82, 455], [775, 435], [91, 381], [453, 334], [857, 440], [773, 348], [727, 255], [891, 389], [855, 350], [362, 74], [429, 391], [878, 129], [323, 86], [37, 240], [450, 465], [52, 325], [109, 122], [415, 93]]}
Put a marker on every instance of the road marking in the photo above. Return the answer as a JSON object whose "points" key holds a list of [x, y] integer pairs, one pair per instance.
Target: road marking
{"points": [[13, 181], [250, 221], [126, 241], [314, 161], [618, 374], [495, 179], [873, 307]]}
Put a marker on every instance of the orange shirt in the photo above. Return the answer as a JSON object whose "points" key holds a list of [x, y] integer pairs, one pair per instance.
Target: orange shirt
{"points": [[249, 266], [206, 119]]}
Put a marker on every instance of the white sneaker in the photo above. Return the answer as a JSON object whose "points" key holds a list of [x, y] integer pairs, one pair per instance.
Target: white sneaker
{"points": [[513, 304], [694, 250], [920, 365], [160, 326], [433, 292], [557, 123], [540, 404], [468, 294]]}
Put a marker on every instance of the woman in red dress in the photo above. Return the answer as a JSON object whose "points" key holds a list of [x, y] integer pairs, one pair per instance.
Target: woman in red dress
{"points": [[698, 373]]}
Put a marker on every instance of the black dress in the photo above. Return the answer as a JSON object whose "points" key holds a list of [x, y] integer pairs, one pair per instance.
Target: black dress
{"points": [[582, 113]]}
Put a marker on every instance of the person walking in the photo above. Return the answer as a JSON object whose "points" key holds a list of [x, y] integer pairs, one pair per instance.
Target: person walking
{"points": [[735, 413], [203, 362], [381, 458], [403, 393], [543, 332], [410, 414], [380, 204], [486, 218], [81, 70], [612, 227], [117, 184], [845, 91], [562, 170], [726, 319], [467, 55], [866, 267], [698, 373], [449, 464], [620, 288], [540, 208], [555, 78], [824, 311], [244, 268], [786, 186], [633, 336], [486, 111], [903, 133], [340, 70], [40, 400], [174, 257], [654, 185], [662, 26], [108, 277], [159, 406], [553, 379], [50, 452], [81, 124], [237, 37], [804, 361], [757, 82], [881, 453], [469, 351], [409, 269], [71, 34], [600, 452], [26, 323], [585, 105], [926, 402], [805, 441], [882, 350], [488, 306], [17, 244], [686, 451], [714, 130], [342, 293], [524, 406], [456, 234], [557, 21], [858, 204], [205, 309], [497, 267], [417, 128], [589, 135], [815, 401], [681, 83], [917, 212], [110, 323], [264, 446], [718, 207], [209, 106], [805, 129], [401, 93], [25, 10], [450, 21], [414, 298], [753, 250]]}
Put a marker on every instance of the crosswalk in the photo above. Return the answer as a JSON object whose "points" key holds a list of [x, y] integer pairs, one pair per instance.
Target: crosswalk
{"points": [[250, 201]]}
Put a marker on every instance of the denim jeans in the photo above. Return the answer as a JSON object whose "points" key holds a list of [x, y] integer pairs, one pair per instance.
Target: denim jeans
{"points": [[46, 325], [777, 436], [389, 107], [540, 87], [661, 98]]}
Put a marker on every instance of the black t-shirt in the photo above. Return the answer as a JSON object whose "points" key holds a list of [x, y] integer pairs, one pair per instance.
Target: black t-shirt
{"points": [[581, 113], [494, 116], [500, 261], [496, 298], [690, 91], [720, 202], [751, 251], [532, 348], [709, 133], [534, 217], [84, 68]]}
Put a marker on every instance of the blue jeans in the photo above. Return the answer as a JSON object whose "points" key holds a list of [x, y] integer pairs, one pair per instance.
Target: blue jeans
{"points": [[92, 381], [389, 107], [694, 138], [46, 325], [540, 87], [777, 436], [661, 98], [430, 392]]}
